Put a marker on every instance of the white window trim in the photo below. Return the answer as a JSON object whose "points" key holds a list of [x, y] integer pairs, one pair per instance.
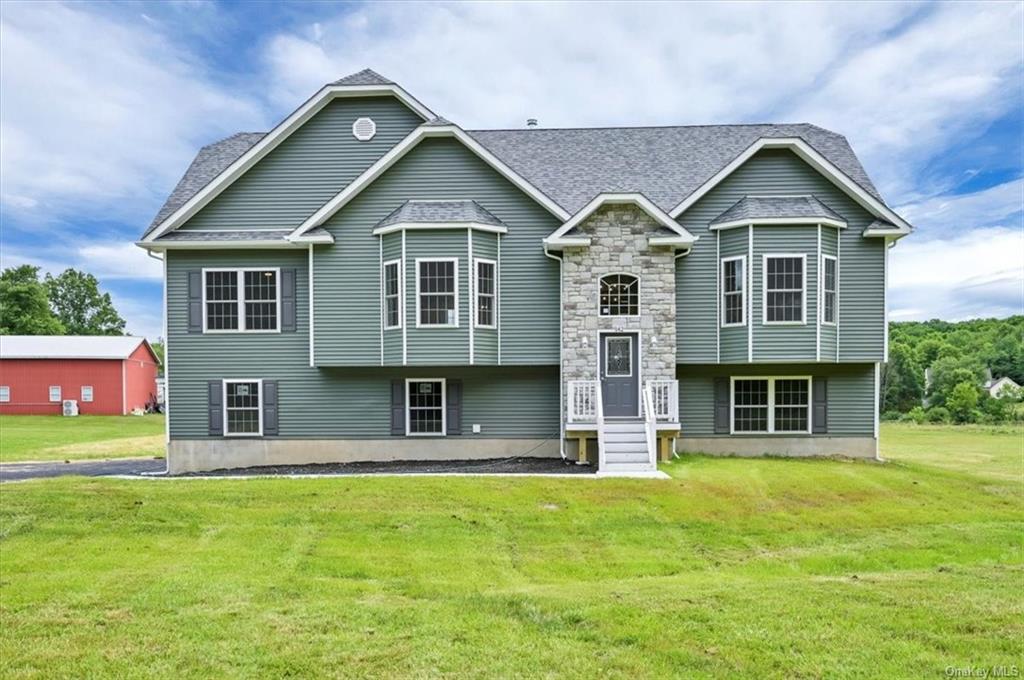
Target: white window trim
{"points": [[742, 291], [397, 262], [5, 394], [822, 291], [771, 404], [59, 394], [455, 273], [765, 291], [618, 336], [444, 408], [476, 292], [224, 407], [83, 392], [639, 294], [240, 299]]}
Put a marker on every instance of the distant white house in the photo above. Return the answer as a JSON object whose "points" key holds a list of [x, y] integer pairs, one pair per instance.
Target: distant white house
{"points": [[1000, 387]]}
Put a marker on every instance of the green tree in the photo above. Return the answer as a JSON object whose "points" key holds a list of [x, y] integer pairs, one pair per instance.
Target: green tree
{"points": [[947, 373], [932, 348], [158, 350], [1007, 357], [24, 308], [902, 380], [962, 401], [76, 300]]}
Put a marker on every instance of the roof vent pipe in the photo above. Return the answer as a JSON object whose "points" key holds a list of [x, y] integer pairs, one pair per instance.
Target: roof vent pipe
{"points": [[531, 122]]}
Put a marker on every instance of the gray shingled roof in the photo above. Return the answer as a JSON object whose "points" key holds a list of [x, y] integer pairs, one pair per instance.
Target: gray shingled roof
{"points": [[231, 235], [571, 166], [755, 207], [364, 77], [666, 164], [440, 211]]}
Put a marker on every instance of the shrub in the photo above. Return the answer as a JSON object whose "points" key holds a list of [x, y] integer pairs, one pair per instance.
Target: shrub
{"points": [[892, 416], [916, 415], [962, 402], [938, 414]]}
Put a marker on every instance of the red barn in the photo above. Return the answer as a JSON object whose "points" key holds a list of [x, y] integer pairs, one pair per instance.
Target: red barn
{"points": [[106, 375]]}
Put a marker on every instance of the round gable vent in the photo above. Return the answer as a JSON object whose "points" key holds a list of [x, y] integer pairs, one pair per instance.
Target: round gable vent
{"points": [[364, 129]]}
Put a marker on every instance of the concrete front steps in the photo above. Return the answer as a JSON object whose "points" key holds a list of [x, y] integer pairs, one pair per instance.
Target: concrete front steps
{"points": [[625, 451]]}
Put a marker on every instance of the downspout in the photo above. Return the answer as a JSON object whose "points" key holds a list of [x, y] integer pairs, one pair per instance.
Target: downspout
{"points": [[561, 358]]}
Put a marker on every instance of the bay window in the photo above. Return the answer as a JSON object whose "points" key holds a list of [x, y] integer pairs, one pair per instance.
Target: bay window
{"points": [[392, 294], [437, 297], [829, 283], [485, 292], [734, 291], [785, 284]]}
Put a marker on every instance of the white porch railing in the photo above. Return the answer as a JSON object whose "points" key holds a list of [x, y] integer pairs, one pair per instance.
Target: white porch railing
{"points": [[584, 396], [650, 425], [665, 399]]}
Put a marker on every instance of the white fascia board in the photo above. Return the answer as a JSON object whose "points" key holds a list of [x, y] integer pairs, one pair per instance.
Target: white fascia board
{"points": [[812, 158], [778, 221], [272, 139], [419, 226], [566, 242], [669, 241], [317, 239], [894, 234], [403, 147], [636, 199]]}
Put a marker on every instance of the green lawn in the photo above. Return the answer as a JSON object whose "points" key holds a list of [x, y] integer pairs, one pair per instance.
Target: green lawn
{"points": [[60, 438], [763, 567]]}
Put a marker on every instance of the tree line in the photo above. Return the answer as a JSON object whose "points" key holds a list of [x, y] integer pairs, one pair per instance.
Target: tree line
{"points": [[959, 358], [67, 304]]}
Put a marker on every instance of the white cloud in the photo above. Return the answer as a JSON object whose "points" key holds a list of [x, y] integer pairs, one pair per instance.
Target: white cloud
{"points": [[100, 114], [105, 260], [978, 273], [952, 214]]}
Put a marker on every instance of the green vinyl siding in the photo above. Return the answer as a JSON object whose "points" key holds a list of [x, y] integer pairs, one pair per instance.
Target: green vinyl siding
{"points": [[829, 240], [437, 346], [308, 168], [391, 249], [332, 402], [785, 342], [861, 305], [732, 243], [347, 326], [851, 397], [485, 340]]}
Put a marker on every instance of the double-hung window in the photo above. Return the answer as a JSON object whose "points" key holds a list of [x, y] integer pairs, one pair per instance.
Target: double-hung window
{"points": [[425, 407], [771, 405], [86, 393], [243, 408], [829, 283], [785, 283], [241, 300], [5, 393], [734, 291], [485, 292], [437, 297], [393, 294], [55, 393]]}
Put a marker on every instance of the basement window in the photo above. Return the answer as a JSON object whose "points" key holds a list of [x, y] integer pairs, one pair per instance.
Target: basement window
{"points": [[425, 407], [243, 409], [771, 405]]}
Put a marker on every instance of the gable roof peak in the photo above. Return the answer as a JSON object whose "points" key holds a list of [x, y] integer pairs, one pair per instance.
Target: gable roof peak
{"points": [[365, 77]]}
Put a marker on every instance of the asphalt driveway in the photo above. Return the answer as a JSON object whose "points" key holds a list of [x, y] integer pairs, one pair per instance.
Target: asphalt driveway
{"points": [[10, 472]]}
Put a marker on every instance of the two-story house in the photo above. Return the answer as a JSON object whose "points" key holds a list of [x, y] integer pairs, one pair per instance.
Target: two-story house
{"points": [[369, 281]]}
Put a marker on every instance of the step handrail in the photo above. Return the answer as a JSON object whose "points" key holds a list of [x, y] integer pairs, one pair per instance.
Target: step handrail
{"points": [[599, 407], [650, 426]]}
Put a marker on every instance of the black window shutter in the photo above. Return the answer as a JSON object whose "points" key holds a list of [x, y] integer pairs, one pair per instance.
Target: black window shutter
{"points": [[195, 301], [270, 408], [820, 402], [721, 406], [398, 408], [453, 397], [216, 401], [288, 303]]}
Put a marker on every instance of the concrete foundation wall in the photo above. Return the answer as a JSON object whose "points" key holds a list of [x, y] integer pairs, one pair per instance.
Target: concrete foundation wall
{"points": [[199, 455], [799, 447]]}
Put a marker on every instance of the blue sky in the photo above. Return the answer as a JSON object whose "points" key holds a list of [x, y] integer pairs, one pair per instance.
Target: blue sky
{"points": [[103, 105]]}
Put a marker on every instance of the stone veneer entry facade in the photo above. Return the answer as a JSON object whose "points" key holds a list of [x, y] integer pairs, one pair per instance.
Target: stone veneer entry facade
{"points": [[619, 245]]}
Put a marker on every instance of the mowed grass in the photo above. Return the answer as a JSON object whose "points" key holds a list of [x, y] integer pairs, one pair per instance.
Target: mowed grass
{"points": [[59, 438], [765, 567]]}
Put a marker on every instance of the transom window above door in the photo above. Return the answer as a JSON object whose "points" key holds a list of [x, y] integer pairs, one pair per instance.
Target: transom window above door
{"points": [[619, 295]]}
